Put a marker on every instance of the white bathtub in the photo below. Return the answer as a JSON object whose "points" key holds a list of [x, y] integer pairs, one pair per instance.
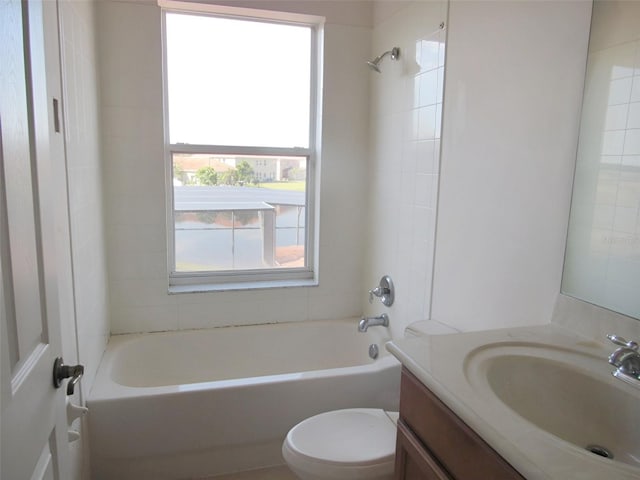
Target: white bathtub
{"points": [[203, 402]]}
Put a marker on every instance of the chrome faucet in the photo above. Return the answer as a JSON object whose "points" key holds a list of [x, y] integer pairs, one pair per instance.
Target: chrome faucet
{"points": [[626, 359], [384, 291], [367, 322]]}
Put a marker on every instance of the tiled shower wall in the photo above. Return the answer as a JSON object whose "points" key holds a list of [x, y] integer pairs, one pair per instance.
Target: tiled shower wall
{"points": [[504, 181], [405, 126], [84, 170]]}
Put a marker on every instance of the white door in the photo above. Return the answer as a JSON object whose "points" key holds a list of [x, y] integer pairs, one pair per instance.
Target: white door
{"points": [[33, 419]]}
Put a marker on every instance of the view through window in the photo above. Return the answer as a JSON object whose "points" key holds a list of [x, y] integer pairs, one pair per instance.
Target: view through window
{"points": [[238, 212], [239, 101]]}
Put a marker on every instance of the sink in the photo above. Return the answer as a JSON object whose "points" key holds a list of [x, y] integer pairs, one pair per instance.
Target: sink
{"points": [[542, 397], [566, 393]]}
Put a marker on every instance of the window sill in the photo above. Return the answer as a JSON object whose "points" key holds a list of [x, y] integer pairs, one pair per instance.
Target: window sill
{"points": [[229, 287]]}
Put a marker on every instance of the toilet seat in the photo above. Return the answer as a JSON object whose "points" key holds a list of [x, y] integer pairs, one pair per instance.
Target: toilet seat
{"points": [[356, 443]]}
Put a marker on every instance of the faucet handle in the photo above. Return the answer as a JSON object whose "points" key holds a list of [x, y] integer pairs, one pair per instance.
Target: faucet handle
{"points": [[623, 342], [384, 291], [376, 291]]}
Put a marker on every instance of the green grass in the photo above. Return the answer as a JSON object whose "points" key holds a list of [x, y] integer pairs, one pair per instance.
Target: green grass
{"points": [[291, 186], [195, 267]]}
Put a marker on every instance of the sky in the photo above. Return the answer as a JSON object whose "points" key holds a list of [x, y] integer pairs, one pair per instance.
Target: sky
{"points": [[237, 82]]}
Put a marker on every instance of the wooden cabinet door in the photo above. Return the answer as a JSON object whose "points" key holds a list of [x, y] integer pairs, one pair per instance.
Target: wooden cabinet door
{"points": [[464, 454], [413, 461]]}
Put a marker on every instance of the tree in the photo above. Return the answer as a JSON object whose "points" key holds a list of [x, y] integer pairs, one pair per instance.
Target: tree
{"points": [[207, 176], [245, 172], [178, 173], [230, 177]]}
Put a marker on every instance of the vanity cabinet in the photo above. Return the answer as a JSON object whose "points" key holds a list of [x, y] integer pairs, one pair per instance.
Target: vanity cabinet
{"points": [[434, 444]]}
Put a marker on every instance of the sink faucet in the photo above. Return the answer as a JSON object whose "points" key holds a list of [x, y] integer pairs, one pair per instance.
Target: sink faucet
{"points": [[626, 359], [367, 322]]}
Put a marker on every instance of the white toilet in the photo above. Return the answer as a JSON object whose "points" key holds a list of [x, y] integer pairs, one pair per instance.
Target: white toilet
{"points": [[351, 444]]}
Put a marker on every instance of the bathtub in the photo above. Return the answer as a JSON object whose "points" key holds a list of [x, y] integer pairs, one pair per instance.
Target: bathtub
{"points": [[198, 403]]}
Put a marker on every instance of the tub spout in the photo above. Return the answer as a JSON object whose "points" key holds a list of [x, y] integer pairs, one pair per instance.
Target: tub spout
{"points": [[367, 322]]}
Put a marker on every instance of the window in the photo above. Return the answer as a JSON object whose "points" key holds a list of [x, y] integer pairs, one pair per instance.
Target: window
{"points": [[240, 143]]}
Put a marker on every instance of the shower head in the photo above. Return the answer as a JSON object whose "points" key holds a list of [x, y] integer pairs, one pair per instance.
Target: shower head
{"points": [[373, 64]]}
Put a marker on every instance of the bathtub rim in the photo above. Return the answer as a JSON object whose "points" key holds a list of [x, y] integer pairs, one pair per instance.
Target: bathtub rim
{"points": [[105, 388]]}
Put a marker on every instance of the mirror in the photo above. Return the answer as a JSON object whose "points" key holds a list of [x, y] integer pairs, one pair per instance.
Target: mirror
{"points": [[602, 261]]}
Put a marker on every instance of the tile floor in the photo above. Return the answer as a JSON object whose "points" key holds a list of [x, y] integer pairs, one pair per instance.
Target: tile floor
{"points": [[272, 473]]}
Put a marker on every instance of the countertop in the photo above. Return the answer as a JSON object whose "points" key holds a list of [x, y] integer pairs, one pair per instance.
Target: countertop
{"points": [[441, 363]]}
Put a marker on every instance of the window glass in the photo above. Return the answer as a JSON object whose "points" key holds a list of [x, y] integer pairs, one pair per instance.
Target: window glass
{"points": [[237, 82], [239, 102], [238, 212]]}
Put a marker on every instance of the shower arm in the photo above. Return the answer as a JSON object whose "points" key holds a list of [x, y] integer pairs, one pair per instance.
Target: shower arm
{"points": [[394, 52]]}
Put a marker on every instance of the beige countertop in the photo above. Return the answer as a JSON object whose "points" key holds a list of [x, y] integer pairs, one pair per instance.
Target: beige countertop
{"points": [[445, 364]]}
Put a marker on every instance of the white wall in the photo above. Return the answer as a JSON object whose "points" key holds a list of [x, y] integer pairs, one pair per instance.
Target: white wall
{"points": [[83, 290], [512, 99], [131, 105], [406, 101]]}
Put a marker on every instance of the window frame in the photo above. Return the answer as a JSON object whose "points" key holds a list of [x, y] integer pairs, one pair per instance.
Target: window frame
{"points": [[248, 278]]}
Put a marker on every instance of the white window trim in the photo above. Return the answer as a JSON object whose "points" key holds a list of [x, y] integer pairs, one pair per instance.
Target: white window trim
{"points": [[190, 282]]}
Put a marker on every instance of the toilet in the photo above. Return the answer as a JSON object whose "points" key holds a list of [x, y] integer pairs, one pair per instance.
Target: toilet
{"points": [[351, 444]]}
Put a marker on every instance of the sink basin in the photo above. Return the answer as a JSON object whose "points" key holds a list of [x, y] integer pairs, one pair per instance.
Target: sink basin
{"points": [[565, 393]]}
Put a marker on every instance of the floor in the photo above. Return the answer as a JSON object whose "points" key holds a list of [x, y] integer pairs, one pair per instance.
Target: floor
{"points": [[272, 473]]}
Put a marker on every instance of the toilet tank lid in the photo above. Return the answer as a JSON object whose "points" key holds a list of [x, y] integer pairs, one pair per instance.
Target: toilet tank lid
{"points": [[356, 436]]}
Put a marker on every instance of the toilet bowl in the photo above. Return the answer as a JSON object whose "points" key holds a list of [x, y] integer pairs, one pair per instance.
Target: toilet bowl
{"points": [[351, 444]]}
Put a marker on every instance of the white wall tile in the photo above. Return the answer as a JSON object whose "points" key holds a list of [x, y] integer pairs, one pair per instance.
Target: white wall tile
{"points": [[441, 78], [626, 219], [617, 117], [635, 90], [633, 120], [623, 60], [149, 318], [629, 189], [619, 91], [128, 239], [140, 292], [427, 123], [429, 53], [427, 157], [424, 190], [410, 154], [631, 160], [126, 265], [613, 142], [428, 88], [340, 304], [631, 142]]}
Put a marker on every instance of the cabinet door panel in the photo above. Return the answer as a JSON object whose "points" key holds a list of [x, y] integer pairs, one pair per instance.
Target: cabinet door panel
{"points": [[413, 461], [464, 454]]}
